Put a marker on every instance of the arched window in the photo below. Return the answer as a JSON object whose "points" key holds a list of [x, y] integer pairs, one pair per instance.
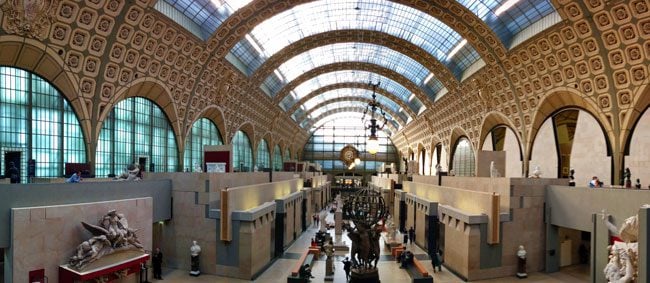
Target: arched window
{"points": [[287, 154], [136, 131], [242, 153], [464, 163], [204, 132], [36, 122], [263, 156], [277, 158], [326, 143]]}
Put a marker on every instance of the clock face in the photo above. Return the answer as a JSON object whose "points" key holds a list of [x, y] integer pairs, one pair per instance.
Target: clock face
{"points": [[348, 154]]}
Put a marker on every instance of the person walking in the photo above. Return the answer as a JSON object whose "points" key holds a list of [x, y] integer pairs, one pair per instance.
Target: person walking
{"points": [[436, 261], [157, 264], [347, 265], [412, 235], [405, 238]]}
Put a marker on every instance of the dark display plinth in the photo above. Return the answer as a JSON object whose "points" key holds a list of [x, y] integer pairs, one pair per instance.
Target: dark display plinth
{"points": [[106, 269], [364, 276]]}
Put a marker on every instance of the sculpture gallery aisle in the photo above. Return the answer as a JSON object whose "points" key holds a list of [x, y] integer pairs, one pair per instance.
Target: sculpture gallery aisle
{"points": [[389, 270]]}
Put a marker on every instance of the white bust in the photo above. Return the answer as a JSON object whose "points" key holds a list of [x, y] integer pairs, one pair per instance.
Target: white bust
{"points": [[195, 250], [521, 253]]}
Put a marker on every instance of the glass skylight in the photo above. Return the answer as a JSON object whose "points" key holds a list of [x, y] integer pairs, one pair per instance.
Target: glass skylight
{"points": [[208, 14], [350, 52], [353, 114], [300, 114], [509, 17], [350, 92], [345, 118], [320, 16], [365, 77]]}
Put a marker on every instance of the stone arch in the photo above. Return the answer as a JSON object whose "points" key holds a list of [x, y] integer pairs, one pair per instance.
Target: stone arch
{"points": [[400, 45], [492, 120], [34, 56], [248, 129], [365, 86], [560, 99], [154, 90], [214, 114], [640, 104], [406, 83]]}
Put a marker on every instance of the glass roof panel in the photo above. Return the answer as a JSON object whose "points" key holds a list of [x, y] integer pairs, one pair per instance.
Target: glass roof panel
{"points": [[351, 52], [509, 17], [344, 118], [353, 117], [378, 15], [335, 105], [347, 92], [208, 14], [335, 77]]}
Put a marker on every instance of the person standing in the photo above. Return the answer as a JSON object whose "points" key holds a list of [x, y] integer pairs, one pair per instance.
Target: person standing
{"points": [[157, 264], [405, 238], [347, 265], [412, 235], [14, 175]]}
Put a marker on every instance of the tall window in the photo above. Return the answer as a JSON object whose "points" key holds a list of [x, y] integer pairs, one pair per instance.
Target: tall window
{"points": [[36, 122], [325, 145], [204, 132], [464, 162], [277, 158], [136, 131], [242, 152], [263, 155], [287, 154]]}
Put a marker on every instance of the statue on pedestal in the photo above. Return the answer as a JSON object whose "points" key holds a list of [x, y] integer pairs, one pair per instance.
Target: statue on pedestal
{"points": [[623, 254], [537, 173], [195, 251], [494, 172], [329, 251], [521, 263]]}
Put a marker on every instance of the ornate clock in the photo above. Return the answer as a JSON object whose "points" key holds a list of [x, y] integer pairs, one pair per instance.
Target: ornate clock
{"points": [[348, 154]]}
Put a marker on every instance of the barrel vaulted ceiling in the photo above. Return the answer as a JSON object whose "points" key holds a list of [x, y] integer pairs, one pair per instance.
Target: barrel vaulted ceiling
{"points": [[298, 52], [279, 68]]}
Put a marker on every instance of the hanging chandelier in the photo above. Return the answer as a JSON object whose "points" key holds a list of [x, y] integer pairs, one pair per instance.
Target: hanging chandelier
{"points": [[372, 144]]}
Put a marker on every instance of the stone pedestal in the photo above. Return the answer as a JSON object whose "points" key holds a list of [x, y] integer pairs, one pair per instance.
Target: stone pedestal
{"points": [[329, 266], [338, 222], [364, 276]]}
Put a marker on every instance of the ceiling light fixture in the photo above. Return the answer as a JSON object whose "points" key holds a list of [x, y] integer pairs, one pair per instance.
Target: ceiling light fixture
{"points": [[372, 145]]}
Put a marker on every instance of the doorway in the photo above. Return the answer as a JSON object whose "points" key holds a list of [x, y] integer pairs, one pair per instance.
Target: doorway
{"points": [[12, 165]]}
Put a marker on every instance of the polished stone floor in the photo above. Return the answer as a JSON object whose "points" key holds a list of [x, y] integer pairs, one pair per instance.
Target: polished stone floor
{"points": [[389, 270]]}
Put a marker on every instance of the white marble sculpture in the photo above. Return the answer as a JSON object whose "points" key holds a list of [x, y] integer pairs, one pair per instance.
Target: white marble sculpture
{"points": [[537, 173], [197, 167], [623, 256], [112, 234], [130, 173], [521, 263], [195, 251], [494, 172]]}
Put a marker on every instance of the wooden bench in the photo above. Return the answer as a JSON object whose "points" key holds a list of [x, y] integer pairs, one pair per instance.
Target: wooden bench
{"points": [[307, 257], [396, 251], [418, 273]]}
